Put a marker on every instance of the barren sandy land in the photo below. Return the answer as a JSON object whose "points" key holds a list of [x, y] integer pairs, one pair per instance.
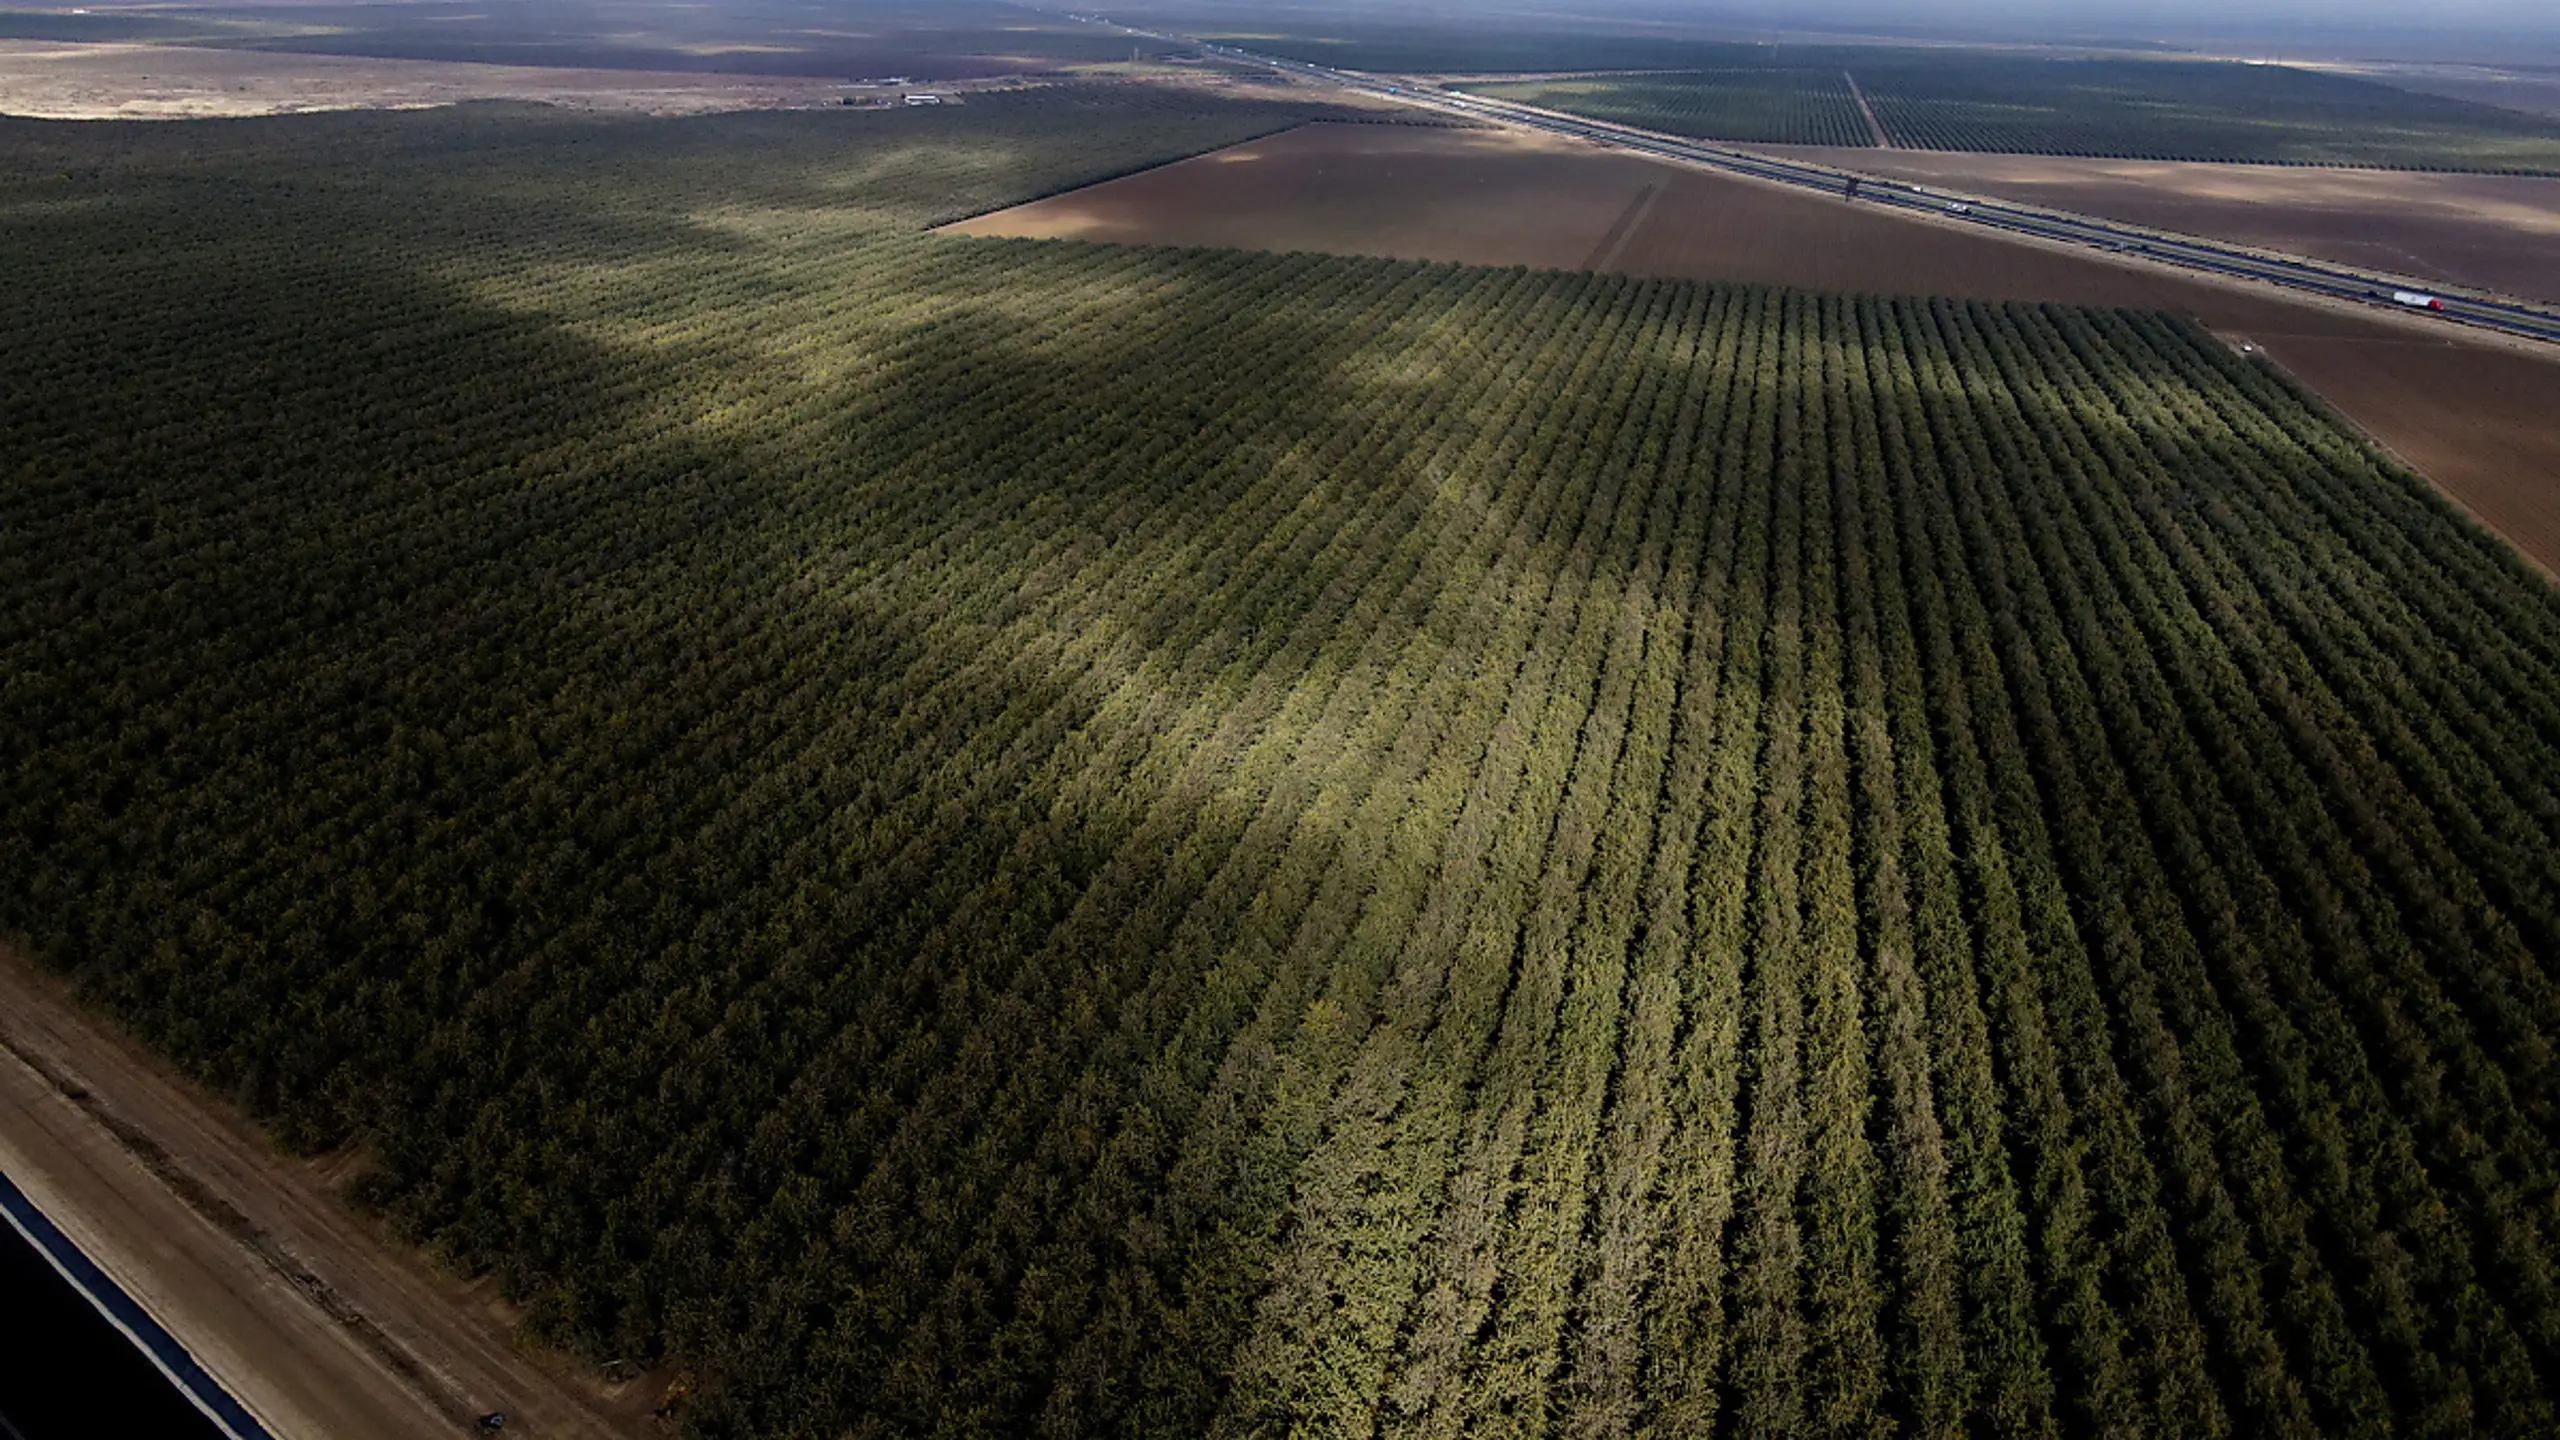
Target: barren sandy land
{"points": [[324, 1329], [2478, 414], [53, 81], [2498, 233]]}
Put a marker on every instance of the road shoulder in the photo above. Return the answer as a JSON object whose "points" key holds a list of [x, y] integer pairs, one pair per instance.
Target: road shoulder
{"points": [[319, 1325]]}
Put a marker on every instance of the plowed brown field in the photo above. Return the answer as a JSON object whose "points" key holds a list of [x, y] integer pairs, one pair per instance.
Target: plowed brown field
{"points": [[1483, 197], [2487, 232], [2483, 423], [2480, 416]]}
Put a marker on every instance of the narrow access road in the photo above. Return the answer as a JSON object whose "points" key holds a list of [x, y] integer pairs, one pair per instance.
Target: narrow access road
{"points": [[321, 1328], [284, 1362], [1875, 127]]}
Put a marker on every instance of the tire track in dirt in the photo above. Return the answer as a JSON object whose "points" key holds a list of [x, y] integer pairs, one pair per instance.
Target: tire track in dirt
{"points": [[1604, 256]]}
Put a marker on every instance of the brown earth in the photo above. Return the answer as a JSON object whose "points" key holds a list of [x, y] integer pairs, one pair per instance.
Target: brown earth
{"points": [[1481, 196], [322, 1327], [2498, 233], [2483, 423], [2478, 414], [50, 81]]}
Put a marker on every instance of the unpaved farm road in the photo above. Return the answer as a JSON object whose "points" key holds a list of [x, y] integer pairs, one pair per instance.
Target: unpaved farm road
{"points": [[321, 1328]]}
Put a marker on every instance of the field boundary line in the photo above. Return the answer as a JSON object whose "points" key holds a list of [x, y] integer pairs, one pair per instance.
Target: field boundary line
{"points": [[1613, 243], [2336, 414], [1875, 127], [1017, 202]]}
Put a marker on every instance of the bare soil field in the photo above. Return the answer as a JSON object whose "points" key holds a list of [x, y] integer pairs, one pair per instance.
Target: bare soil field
{"points": [[322, 1328], [2478, 415], [2498, 233], [2478, 421], [55, 81], [1484, 197]]}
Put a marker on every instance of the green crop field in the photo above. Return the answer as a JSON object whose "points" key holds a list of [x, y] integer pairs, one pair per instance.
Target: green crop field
{"points": [[2135, 109], [1768, 106], [1447, 49], [1000, 838], [2164, 110]]}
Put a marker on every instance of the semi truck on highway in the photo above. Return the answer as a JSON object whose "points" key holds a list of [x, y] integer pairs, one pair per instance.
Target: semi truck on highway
{"points": [[2416, 301]]}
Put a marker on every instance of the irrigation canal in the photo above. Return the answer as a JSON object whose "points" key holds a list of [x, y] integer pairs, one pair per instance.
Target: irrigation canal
{"points": [[79, 1360]]}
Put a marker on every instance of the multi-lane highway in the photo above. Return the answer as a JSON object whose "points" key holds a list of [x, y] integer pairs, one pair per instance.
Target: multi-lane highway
{"points": [[2311, 276]]}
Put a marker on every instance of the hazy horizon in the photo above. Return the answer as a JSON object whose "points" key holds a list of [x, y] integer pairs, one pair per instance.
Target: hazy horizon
{"points": [[2354, 24]]}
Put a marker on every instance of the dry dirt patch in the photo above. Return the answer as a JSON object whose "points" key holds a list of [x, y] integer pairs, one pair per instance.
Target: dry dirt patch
{"points": [[1480, 196], [2499, 233], [2481, 416], [52, 81], [2480, 422]]}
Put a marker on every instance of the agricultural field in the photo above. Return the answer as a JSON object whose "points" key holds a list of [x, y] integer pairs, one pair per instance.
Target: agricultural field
{"points": [[991, 836], [1481, 197], [846, 40], [2165, 110], [1473, 48], [2533, 89], [1766, 105], [57, 81], [2476, 417], [2129, 108], [2494, 233]]}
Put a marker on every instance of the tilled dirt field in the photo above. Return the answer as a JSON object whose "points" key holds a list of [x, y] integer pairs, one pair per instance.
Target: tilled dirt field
{"points": [[2479, 415], [2483, 423], [1478, 196], [2498, 233]]}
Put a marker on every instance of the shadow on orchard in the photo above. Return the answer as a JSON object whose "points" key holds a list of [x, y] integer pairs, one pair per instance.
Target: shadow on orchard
{"points": [[592, 817]]}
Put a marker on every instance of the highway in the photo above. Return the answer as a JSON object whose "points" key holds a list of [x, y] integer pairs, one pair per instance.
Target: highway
{"points": [[2292, 273]]}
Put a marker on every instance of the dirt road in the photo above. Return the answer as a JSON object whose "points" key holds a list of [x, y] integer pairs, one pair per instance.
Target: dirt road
{"points": [[320, 1326], [1875, 127]]}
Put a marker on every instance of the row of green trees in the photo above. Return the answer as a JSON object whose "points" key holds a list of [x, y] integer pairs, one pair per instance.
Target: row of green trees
{"points": [[989, 837], [1768, 105], [2013, 104]]}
